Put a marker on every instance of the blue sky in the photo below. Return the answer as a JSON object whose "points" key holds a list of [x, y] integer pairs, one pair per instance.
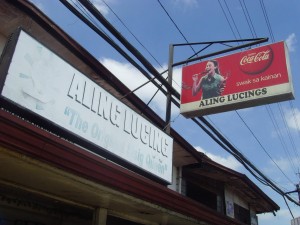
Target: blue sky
{"points": [[200, 21]]}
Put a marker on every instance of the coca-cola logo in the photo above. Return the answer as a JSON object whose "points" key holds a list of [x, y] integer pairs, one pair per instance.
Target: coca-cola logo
{"points": [[256, 61]]}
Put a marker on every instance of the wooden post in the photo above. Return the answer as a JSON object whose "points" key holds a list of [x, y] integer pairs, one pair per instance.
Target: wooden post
{"points": [[100, 216]]}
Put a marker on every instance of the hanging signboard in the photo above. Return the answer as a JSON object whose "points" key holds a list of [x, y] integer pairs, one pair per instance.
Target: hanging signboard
{"points": [[45, 85], [249, 78]]}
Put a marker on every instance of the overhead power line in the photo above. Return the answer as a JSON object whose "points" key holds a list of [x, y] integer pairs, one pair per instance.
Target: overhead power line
{"points": [[175, 24], [98, 31], [90, 7], [280, 136], [263, 148], [203, 123], [227, 19], [135, 37], [237, 30], [263, 7], [295, 117], [248, 18], [266, 17], [252, 30], [290, 137]]}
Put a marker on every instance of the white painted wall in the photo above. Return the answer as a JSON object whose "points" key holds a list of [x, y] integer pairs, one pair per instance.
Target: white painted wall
{"points": [[230, 199]]}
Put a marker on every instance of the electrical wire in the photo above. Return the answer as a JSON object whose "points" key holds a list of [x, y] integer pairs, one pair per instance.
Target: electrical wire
{"points": [[248, 19], [248, 127], [227, 19], [263, 7], [232, 19], [208, 128], [252, 29], [135, 37], [272, 38], [279, 134], [262, 147], [118, 17], [295, 117], [289, 135], [175, 24], [250, 24]]}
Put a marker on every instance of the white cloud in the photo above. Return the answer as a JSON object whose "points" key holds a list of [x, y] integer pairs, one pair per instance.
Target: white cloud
{"points": [[287, 172], [293, 119], [282, 216], [291, 42], [133, 78], [177, 72], [187, 3], [285, 164], [228, 161], [101, 6], [97, 3], [38, 4]]}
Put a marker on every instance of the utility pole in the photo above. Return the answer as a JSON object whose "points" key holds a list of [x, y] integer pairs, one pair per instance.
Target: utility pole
{"points": [[297, 190], [298, 186], [169, 95]]}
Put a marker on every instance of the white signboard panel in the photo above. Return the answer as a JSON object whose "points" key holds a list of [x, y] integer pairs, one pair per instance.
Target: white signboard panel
{"points": [[43, 83]]}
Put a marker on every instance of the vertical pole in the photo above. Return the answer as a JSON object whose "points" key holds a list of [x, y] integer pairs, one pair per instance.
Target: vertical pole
{"points": [[169, 95], [100, 216], [164, 220]]}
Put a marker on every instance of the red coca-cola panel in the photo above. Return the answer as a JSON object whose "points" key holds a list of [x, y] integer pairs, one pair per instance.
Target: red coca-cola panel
{"points": [[247, 70]]}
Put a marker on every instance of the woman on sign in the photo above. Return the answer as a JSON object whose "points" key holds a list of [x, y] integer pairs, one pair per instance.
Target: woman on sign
{"points": [[212, 83]]}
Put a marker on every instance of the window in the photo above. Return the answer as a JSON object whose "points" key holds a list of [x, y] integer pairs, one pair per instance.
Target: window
{"points": [[209, 198], [241, 214], [204, 189], [202, 195]]}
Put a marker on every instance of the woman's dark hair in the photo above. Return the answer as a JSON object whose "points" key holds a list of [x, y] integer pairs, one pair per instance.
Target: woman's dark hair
{"points": [[216, 64]]}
